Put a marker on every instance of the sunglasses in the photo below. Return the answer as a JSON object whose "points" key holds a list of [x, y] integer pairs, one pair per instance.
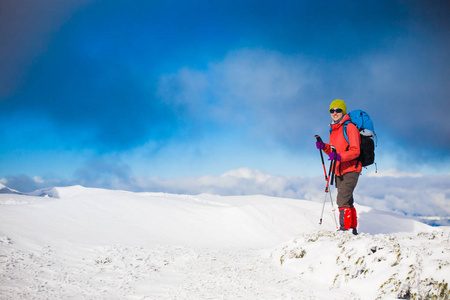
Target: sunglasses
{"points": [[338, 110]]}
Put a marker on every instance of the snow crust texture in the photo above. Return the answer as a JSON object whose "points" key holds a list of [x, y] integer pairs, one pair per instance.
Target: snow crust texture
{"points": [[79, 243], [401, 266]]}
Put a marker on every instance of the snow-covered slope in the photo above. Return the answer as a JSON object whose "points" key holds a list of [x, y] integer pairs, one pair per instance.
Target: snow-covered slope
{"points": [[84, 243], [6, 190]]}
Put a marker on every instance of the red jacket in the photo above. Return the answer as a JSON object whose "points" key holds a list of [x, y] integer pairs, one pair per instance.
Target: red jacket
{"points": [[349, 152]]}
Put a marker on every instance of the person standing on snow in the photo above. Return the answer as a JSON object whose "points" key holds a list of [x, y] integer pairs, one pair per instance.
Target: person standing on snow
{"points": [[348, 167]]}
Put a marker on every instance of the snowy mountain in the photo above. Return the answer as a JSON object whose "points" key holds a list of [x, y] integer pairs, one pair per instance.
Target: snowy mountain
{"points": [[85, 243], [6, 190]]}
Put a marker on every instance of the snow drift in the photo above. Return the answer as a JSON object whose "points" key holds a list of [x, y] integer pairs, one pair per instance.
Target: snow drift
{"points": [[75, 242]]}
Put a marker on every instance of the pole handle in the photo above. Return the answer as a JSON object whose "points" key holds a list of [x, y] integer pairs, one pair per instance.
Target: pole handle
{"points": [[321, 156], [333, 163]]}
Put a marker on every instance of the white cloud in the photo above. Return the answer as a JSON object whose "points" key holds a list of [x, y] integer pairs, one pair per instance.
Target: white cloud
{"points": [[395, 173], [242, 181], [262, 92], [409, 194], [246, 173], [38, 179]]}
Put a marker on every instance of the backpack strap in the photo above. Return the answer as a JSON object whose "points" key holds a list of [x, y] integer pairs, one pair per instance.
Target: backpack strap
{"points": [[344, 130]]}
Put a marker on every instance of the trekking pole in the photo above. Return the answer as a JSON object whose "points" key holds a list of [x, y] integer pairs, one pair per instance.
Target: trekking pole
{"points": [[326, 178], [333, 178], [321, 156], [327, 189]]}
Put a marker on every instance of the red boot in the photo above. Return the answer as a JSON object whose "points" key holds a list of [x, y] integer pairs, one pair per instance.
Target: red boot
{"points": [[345, 218]]}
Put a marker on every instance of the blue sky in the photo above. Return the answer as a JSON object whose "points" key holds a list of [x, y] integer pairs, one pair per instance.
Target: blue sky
{"points": [[169, 89]]}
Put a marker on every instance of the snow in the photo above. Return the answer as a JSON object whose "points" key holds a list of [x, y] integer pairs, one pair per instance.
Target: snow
{"points": [[85, 243]]}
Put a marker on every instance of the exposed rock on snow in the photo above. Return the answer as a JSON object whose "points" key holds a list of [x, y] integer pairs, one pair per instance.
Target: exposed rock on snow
{"points": [[407, 265]]}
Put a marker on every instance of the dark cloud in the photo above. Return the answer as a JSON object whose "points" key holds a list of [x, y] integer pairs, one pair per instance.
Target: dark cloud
{"points": [[96, 71], [102, 102], [26, 27]]}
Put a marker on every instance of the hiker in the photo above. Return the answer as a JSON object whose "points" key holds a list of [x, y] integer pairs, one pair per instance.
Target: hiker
{"points": [[348, 167]]}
